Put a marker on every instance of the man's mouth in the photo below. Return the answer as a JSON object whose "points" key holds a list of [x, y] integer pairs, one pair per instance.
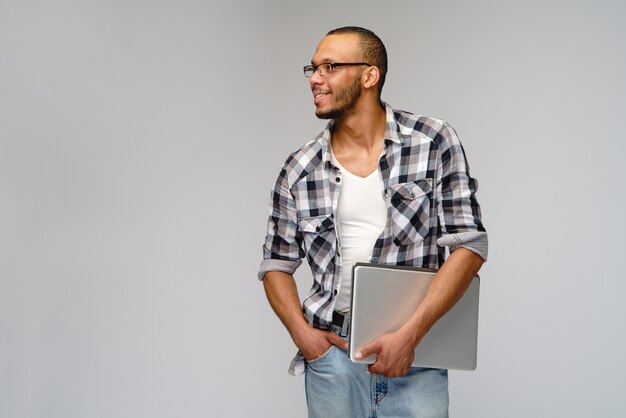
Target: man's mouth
{"points": [[320, 94]]}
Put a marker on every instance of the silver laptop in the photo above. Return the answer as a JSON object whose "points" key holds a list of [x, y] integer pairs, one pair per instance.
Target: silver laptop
{"points": [[385, 297]]}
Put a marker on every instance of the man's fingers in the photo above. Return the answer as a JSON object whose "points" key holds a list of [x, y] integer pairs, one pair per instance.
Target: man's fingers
{"points": [[374, 368], [337, 340]]}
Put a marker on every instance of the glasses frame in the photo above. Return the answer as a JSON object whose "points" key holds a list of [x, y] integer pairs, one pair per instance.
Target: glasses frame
{"points": [[331, 67]]}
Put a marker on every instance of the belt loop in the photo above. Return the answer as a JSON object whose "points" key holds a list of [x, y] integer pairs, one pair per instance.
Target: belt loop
{"points": [[346, 324]]}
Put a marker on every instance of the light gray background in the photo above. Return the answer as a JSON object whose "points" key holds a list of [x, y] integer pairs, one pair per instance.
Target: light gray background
{"points": [[139, 141]]}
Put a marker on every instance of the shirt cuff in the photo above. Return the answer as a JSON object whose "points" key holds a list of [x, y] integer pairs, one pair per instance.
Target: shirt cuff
{"points": [[475, 241], [272, 264]]}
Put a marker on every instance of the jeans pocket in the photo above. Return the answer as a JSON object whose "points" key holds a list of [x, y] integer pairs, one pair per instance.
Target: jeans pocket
{"points": [[418, 370], [323, 356]]}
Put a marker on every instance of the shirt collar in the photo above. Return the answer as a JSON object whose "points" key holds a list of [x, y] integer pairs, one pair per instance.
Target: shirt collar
{"points": [[392, 130]]}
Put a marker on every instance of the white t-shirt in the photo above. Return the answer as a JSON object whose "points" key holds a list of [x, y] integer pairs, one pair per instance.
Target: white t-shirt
{"points": [[361, 218]]}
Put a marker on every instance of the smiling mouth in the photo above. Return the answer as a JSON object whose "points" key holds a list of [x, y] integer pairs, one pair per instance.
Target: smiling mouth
{"points": [[318, 95]]}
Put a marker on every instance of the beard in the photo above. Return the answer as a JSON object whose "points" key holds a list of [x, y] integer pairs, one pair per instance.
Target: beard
{"points": [[346, 99]]}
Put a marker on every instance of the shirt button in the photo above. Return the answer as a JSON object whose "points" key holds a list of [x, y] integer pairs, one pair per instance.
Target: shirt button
{"points": [[338, 179], [317, 228], [335, 292]]}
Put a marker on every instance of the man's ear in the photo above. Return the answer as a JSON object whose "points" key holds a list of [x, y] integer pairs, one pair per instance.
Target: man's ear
{"points": [[370, 77]]}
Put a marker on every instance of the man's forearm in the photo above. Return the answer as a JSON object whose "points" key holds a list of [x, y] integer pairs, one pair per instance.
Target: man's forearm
{"points": [[282, 295], [447, 287]]}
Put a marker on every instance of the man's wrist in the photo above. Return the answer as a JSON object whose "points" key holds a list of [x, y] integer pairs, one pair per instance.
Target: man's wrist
{"points": [[299, 329], [413, 332]]}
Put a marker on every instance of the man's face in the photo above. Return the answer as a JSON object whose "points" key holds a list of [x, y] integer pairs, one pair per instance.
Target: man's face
{"points": [[336, 93]]}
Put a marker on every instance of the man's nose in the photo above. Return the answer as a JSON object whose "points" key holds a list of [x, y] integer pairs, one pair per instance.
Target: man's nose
{"points": [[316, 78]]}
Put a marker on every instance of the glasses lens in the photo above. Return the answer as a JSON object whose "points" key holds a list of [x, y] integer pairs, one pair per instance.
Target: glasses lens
{"points": [[308, 71], [325, 68]]}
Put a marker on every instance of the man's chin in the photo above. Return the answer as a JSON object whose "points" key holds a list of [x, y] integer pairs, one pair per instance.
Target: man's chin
{"points": [[328, 114]]}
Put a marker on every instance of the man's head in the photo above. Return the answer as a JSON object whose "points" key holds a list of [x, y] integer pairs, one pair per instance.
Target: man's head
{"points": [[349, 66], [372, 49]]}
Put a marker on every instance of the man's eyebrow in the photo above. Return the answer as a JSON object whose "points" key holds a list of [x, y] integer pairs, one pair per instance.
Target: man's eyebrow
{"points": [[324, 61]]}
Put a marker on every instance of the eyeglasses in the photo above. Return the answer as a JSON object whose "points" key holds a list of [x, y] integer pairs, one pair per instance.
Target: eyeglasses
{"points": [[327, 67]]}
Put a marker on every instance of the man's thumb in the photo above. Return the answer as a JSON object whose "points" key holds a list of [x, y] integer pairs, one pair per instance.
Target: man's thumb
{"points": [[367, 351]]}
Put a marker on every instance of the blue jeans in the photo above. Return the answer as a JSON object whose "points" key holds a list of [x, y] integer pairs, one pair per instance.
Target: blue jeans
{"points": [[336, 387]]}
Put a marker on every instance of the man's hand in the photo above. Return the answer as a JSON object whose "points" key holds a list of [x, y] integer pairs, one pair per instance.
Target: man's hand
{"points": [[394, 354], [314, 342]]}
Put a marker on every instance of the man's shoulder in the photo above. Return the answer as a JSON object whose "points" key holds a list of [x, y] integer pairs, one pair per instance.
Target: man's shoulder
{"points": [[417, 125], [304, 160]]}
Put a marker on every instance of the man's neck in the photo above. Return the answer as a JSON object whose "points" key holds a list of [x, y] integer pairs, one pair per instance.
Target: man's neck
{"points": [[360, 130], [359, 139]]}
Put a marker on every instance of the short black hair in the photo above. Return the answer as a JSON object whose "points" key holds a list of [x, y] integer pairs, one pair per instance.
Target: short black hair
{"points": [[372, 49]]}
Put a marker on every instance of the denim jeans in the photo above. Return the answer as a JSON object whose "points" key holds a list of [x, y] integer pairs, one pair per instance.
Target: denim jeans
{"points": [[336, 387]]}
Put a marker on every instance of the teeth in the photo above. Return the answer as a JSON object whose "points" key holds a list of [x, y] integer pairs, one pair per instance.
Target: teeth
{"points": [[320, 95]]}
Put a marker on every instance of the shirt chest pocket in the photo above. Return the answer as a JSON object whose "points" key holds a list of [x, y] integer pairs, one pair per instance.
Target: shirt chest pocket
{"points": [[410, 210], [320, 242]]}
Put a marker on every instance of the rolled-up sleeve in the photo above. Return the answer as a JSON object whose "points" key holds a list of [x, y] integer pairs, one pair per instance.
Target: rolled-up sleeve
{"points": [[475, 241], [282, 249], [458, 209]]}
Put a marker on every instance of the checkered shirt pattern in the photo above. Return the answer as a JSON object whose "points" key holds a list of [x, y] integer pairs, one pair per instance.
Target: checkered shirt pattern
{"points": [[428, 191]]}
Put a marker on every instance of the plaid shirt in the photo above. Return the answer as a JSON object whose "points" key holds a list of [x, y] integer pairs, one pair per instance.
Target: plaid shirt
{"points": [[430, 199]]}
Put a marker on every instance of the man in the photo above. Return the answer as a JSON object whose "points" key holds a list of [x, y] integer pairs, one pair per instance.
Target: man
{"points": [[377, 185]]}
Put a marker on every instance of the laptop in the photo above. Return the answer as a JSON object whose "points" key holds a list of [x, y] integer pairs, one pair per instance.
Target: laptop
{"points": [[384, 298]]}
